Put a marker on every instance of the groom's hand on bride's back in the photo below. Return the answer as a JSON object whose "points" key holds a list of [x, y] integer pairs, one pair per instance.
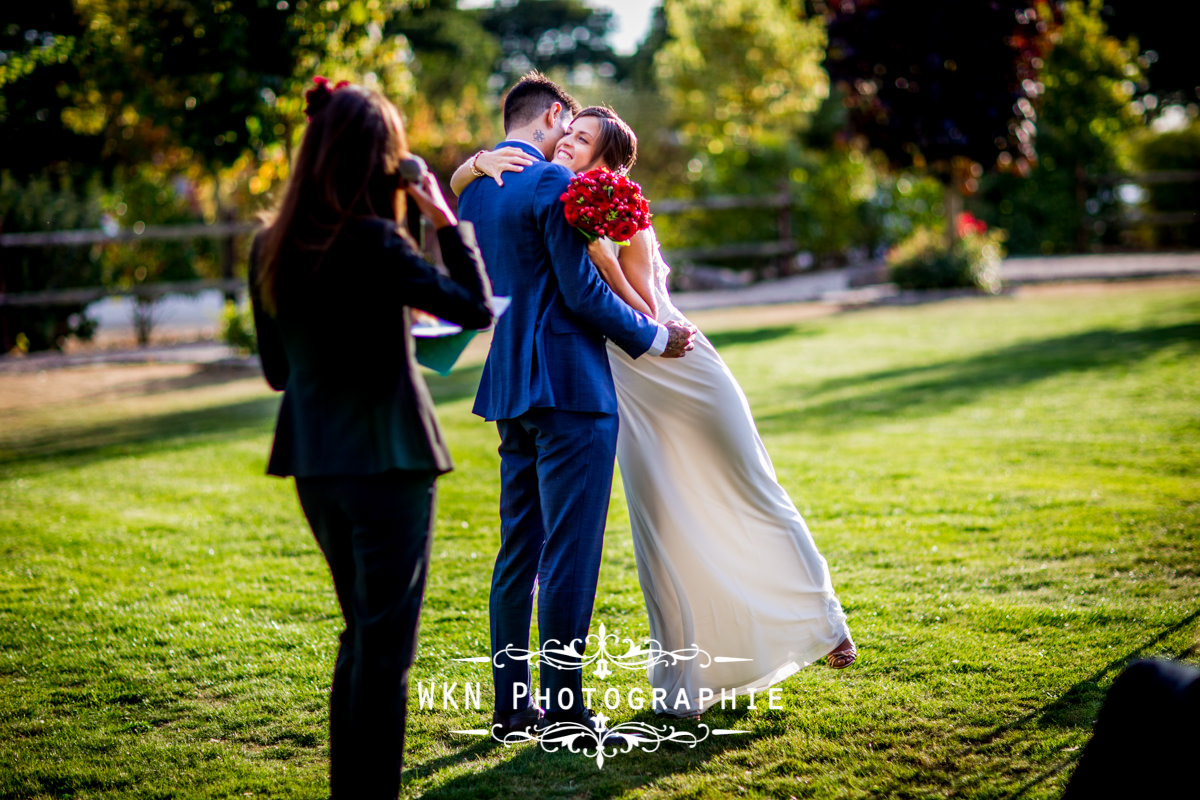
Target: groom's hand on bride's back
{"points": [[679, 339]]}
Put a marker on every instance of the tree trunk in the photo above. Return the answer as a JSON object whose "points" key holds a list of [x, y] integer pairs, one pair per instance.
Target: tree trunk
{"points": [[225, 244], [5, 343], [952, 206]]}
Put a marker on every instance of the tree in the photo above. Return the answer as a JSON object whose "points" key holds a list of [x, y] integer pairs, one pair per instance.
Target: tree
{"points": [[38, 190], [181, 107], [39, 47], [550, 36], [46, 201], [1085, 112], [741, 72], [1168, 151], [741, 80], [1166, 49], [450, 113], [940, 84]]}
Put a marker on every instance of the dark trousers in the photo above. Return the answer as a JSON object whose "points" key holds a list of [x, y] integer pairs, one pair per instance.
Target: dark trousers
{"points": [[1146, 737], [375, 532], [556, 472]]}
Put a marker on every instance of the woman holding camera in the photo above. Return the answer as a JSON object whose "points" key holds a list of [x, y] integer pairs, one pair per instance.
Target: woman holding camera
{"points": [[333, 278]]}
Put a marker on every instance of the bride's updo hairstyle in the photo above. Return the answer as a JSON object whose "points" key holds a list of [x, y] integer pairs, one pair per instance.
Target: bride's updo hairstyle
{"points": [[348, 166], [616, 145]]}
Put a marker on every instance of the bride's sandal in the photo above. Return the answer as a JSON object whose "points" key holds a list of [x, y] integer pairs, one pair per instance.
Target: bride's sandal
{"points": [[843, 655]]}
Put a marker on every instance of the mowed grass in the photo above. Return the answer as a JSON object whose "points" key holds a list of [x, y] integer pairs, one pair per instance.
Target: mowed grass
{"points": [[1006, 491]]}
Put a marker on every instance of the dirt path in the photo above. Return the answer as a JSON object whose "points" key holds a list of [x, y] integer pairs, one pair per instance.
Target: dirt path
{"points": [[52, 389]]}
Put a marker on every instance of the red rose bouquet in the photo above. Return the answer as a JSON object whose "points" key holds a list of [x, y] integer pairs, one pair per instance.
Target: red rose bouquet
{"points": [[601, 203]]}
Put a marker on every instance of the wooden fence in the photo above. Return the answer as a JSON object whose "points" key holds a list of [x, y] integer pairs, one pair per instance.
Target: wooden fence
{"points": [[780, 251], [1093, 224]]}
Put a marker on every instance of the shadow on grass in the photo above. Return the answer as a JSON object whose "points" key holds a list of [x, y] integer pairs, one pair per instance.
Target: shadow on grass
{"points": [[934, 387], [1080, 704], [85, 444], [756, 336], [205, 374], [532, 771]]}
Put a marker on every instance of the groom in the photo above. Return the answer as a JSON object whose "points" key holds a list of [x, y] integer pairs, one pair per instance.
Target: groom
{"points": [[547, 385]]}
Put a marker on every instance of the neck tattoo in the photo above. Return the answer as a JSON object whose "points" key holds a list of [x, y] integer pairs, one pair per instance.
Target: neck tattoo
{"points": [[538, 136]]}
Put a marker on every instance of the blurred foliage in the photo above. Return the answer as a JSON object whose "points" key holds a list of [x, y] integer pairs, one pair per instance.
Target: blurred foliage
{"points": [[1171, 151], [449, 114], [163, 111], [41, 203], [237, 327], [213, 80], [552, 36], [927, 259], [938, 84], [862, 111], [1167, 46], [39, 68], [740, 73], [740, 80], [131, 263], [1085, 114]]}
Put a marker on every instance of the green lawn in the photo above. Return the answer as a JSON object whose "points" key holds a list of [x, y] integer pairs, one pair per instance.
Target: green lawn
{"points": [[1006, 490]]}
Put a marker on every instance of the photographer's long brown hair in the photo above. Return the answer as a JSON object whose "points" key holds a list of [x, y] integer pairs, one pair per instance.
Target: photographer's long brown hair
{"points": [[347, 166]]}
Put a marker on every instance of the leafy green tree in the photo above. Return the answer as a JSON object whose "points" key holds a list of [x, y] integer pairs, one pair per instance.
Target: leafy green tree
{"points": [[1167, 49], [38, 189], [741, 80], [179, 106], [36, 203], [39, 66], [450, 113], [1085, 113], [739, 72], [1169, 151], [553, 36], [942, 85]]}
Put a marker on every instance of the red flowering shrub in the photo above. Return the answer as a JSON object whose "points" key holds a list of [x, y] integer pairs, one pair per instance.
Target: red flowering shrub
{"points": [[968, 224], [600, 203], [925, 261]]}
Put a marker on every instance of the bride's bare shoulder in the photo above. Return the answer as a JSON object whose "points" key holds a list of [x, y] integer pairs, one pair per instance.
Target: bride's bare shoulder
{"points": [[640, 249]]}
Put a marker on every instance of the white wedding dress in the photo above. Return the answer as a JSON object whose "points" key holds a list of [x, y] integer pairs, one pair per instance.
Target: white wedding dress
{"points": [[725, 560]]}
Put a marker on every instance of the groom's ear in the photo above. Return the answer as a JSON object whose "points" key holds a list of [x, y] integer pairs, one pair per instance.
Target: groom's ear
{"points": [[553, 114]]}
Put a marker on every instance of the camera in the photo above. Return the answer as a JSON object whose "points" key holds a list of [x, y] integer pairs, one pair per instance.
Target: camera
{"points": [[413, 169]]}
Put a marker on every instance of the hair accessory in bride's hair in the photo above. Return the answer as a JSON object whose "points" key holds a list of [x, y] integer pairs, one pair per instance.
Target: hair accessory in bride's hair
{"points": [[319, 96]]}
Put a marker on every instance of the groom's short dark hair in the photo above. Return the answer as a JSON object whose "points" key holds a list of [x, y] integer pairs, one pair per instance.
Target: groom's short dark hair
{"points": [[531, 96]]}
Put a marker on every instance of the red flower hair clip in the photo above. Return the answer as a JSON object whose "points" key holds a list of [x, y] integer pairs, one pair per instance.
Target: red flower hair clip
{"points": [[319, 96]]}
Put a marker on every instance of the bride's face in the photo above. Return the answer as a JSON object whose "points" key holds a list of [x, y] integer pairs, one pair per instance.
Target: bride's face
{"points": [[576, 151]]}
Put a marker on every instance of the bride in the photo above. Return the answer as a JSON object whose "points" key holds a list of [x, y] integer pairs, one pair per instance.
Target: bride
{"points": [[725, 560]]}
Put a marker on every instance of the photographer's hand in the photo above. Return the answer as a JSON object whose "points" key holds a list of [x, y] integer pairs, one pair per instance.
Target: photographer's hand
{"points": [[429, 198]]}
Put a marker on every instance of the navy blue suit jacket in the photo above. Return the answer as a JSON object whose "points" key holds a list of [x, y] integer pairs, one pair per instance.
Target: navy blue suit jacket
{"points": [[548, 349]]}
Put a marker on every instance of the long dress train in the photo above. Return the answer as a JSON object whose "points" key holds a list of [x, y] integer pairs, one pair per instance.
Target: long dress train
{"points": [[725, 560]]}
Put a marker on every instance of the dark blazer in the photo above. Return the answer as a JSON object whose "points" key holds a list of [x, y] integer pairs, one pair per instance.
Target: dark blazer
{"points": [[548, 349], [340, 349]]}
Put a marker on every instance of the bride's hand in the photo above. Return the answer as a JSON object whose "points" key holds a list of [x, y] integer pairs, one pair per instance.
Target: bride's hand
{"points": [[495, 163], [601, 255]]}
